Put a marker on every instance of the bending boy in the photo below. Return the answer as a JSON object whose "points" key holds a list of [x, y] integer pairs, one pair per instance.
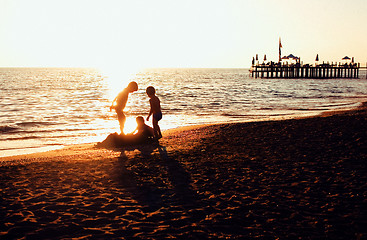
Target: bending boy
{"points": [[121, 101]]}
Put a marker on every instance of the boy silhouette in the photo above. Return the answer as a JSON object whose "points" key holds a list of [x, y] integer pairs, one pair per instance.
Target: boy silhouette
{"points": [[142, 130], [120, 101], [155, 109]]}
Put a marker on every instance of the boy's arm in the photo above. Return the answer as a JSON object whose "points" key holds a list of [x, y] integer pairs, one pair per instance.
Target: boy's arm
{"points": [[150, 111], [111, 107]]}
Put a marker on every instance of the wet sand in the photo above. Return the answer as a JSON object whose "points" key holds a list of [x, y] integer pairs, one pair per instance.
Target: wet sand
{"points": [[300, 178]]}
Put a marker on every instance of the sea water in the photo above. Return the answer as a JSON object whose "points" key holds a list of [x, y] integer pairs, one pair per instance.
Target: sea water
{"points": [[49, 108]]}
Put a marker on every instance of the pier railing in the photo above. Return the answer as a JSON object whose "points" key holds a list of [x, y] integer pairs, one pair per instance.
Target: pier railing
{"points": [[277, 70]]}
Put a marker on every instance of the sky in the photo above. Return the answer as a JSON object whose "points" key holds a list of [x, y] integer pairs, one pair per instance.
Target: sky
{"points": [[186, 33]]}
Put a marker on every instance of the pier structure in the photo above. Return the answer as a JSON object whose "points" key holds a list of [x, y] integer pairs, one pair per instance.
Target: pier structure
{"points": [[298, 70]]}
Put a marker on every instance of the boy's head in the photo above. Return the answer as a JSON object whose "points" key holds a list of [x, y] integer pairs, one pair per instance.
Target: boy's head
{"points": [[132, 87], [150, 91], [140, 120]]}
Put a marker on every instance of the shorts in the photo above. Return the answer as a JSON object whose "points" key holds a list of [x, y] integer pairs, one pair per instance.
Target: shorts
{"points": [[157, 116]]}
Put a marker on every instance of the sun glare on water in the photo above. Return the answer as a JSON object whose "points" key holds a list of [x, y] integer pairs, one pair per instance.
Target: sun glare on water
{"points": [[130, 125], [118, 77]]}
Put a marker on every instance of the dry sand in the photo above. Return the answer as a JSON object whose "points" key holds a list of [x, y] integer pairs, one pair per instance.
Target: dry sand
{"points": [[302, 178]]}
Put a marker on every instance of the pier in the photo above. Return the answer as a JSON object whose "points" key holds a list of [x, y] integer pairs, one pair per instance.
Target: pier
{"points": [[291, 67], [279, 70]]}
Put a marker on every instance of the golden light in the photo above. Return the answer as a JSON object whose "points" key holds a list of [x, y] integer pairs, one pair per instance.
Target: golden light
{"points": [[130, 125], [118, 77]]}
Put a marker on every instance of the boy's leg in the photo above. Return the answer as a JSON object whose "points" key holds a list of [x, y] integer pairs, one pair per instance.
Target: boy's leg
{"points": [[159, 132], [154, 122], [122, 119], [157, 129]]}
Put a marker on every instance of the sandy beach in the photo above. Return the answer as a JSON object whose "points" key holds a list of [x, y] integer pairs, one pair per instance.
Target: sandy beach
{"points": [[292, 179]]}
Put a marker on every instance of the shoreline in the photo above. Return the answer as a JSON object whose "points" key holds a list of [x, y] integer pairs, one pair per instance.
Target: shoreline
{"points": [[292, 179], [67, 150]]}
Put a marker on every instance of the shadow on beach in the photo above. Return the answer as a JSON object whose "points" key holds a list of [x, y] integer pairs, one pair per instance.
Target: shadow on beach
{"points": [[154, 178]]}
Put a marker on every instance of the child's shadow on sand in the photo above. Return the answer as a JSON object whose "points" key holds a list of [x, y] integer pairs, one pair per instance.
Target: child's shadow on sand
{"points": [[155, 180], [152, 176]]}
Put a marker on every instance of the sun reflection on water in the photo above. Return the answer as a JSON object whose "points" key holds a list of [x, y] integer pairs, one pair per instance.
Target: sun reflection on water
{"points": [[130, 125], [118, 78]]}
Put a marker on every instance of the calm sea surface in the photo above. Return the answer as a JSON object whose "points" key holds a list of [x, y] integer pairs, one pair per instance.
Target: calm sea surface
{"points": [[48, 108]]}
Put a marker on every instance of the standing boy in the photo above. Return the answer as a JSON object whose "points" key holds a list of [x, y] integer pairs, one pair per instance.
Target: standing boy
{"points": [[121, 101], [155, 109]]}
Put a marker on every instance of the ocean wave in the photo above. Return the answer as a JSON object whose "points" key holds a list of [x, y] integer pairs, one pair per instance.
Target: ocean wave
{"points": [[308, 109], [35, 124], [29, 147], [236, 115], [8, 129], [43, 136], [21, 138], [20, 127]]}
